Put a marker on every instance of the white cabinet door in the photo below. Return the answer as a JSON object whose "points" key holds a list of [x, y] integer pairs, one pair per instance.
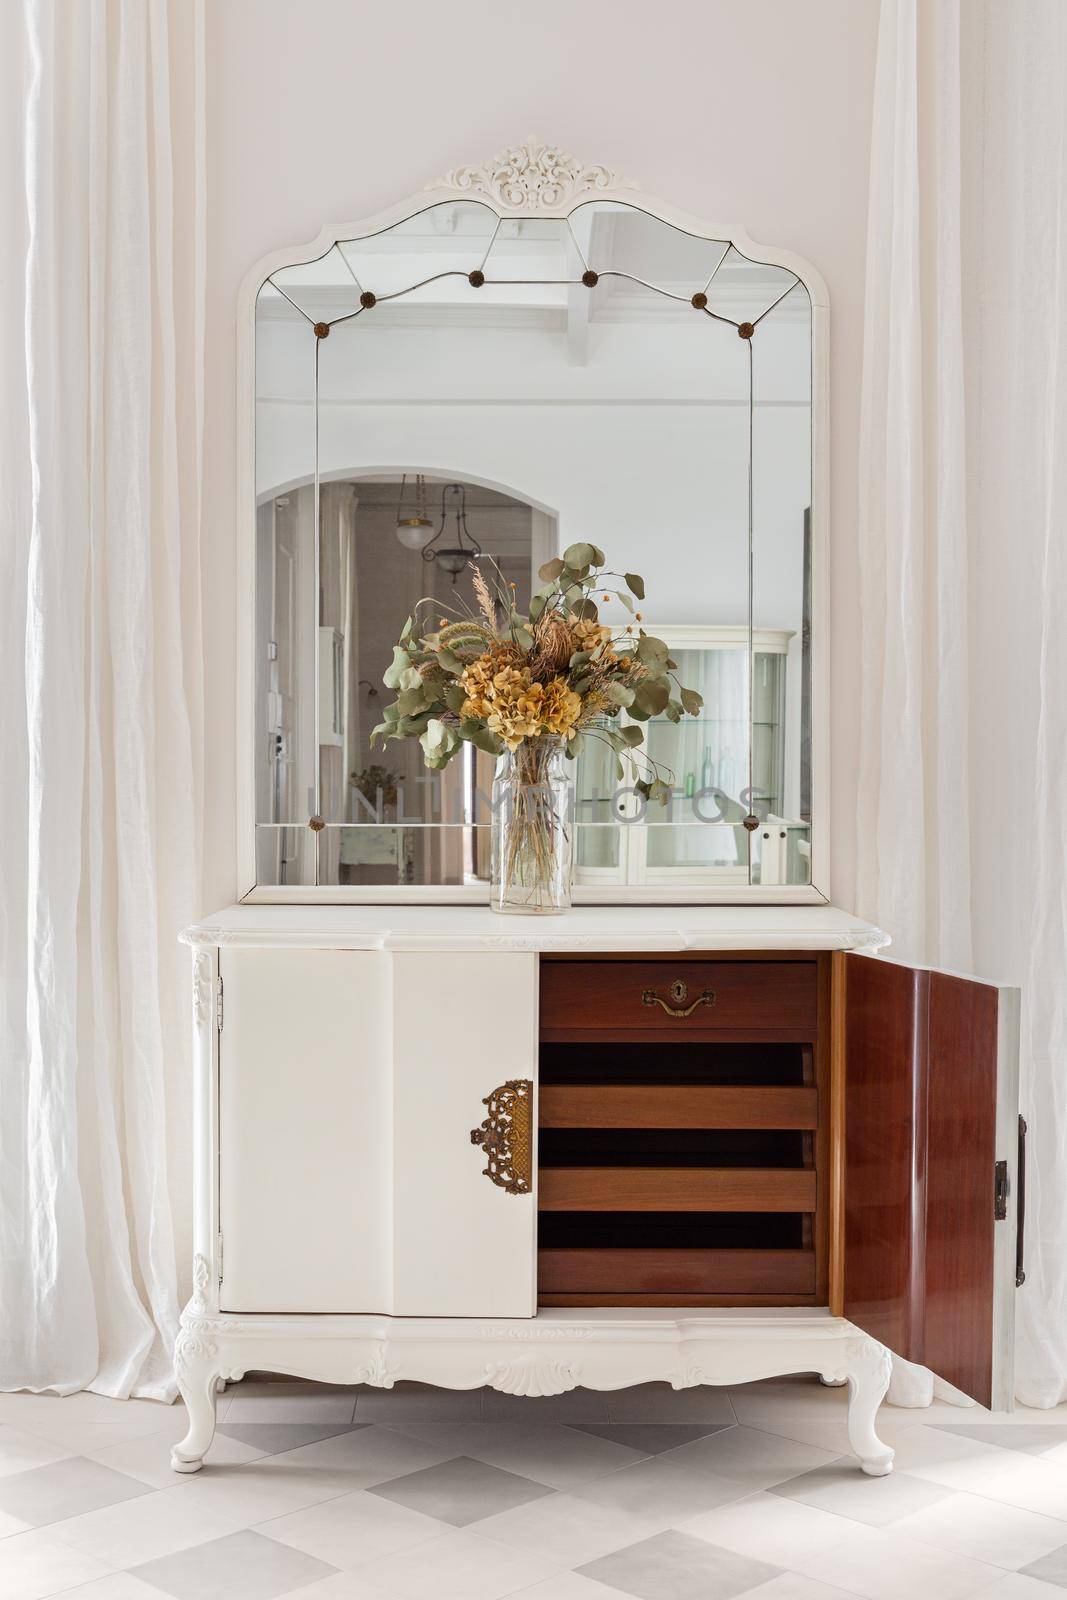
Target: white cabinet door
{"points": [[305, 1171], [463, 1025]]}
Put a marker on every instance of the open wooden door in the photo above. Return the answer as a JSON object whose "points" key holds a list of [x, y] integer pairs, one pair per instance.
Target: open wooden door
{"points": [[927, 1080]]}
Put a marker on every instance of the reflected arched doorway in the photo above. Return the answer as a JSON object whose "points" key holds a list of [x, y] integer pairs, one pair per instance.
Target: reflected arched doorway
{"points": [[321, 687]]}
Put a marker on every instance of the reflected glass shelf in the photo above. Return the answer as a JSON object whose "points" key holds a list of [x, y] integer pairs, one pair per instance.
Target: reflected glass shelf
{"points": [[707, 722]]}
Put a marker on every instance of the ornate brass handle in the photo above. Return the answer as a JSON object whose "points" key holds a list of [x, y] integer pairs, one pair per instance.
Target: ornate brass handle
{"points": [[505, 1136], [678, 992]]}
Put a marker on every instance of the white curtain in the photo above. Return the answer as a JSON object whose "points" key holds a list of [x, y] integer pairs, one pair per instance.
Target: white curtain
{"points": [[100, 697], [962, 807]]}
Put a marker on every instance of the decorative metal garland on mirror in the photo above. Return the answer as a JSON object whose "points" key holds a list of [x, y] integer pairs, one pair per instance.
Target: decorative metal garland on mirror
{"points": [[467, 394]]}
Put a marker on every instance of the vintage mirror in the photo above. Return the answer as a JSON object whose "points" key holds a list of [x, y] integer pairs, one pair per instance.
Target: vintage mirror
{"points": [[529, 354]]}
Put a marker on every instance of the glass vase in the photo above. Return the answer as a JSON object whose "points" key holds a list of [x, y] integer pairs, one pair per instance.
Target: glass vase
{"points": [[533, 829]]}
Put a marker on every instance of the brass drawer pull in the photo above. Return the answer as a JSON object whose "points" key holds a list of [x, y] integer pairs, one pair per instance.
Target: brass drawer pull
{"points": [[505, 1136], [679, 992]]}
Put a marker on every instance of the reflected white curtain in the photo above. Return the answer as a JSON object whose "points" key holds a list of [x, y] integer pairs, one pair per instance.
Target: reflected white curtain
{"points": [[962, 811], [100, 708]]}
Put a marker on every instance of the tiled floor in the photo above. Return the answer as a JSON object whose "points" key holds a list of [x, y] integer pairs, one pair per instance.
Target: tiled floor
{"points": [[424, 1494]]}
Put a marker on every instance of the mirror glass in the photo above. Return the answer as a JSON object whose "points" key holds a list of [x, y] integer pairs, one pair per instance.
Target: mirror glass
{"points": [[573, 391]]}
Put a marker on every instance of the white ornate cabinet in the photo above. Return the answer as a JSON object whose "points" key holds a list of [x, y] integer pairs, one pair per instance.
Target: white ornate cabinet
{"points": [[346, 1230], [711, 1143]]}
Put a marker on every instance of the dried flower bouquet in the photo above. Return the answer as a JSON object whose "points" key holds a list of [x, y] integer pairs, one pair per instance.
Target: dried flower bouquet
{"points": [[504, 681]]}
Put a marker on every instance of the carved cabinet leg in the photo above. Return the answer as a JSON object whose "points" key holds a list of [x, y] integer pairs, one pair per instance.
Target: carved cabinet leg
{"points": [[197, 1371], [868, 1370]]}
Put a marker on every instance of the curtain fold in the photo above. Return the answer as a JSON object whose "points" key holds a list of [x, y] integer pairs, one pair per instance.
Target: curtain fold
{"points": [[101, 716], [962, 803]]}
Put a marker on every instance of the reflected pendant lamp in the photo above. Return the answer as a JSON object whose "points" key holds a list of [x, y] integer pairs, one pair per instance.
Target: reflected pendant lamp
{"points": [[413, 527]]}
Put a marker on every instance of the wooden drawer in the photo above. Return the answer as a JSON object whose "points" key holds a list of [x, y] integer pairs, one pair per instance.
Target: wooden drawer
{"points": [[621, 999], [677, 1272], [676, 1106], [675, 1189]]}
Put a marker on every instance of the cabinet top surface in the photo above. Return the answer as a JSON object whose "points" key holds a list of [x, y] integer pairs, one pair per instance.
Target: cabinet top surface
{"points": [[589, 929]]}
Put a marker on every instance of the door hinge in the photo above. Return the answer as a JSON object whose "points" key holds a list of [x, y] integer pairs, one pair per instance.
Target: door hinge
{"points": [[218, 1256], [1000, 1192], [1020, 1209], [218, 1003]]}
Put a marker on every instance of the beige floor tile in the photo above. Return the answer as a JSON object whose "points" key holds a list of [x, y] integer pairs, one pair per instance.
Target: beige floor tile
{"points": [[565, 1530], [458, 1566], [972, 1525], [783, 1532], [21, 1451], [34, 1565], [353, 1529], [749, 1456], [139, 1530], [883, 1566], [148, 1457]]}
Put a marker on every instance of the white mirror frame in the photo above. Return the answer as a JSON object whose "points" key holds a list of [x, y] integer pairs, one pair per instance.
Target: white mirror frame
{"points": [[529, 180]]}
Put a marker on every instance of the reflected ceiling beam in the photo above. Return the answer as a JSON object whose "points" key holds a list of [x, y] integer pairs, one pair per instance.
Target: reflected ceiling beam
{"points": [[592, 235], [579, 300]]}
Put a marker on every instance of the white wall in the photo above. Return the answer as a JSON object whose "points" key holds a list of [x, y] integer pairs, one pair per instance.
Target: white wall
{"points": [[328, 111], [645, 453]]}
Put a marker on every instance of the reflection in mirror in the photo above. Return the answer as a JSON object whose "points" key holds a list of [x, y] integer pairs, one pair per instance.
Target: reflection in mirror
{"points": [[467, 386]]}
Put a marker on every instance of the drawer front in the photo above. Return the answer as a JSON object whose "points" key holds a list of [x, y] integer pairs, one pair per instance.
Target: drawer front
{"points": [[676, 1189], [686, 998], [684, 1272]]}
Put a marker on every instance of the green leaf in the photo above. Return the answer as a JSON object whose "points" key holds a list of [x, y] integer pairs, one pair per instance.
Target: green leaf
{"points": [[439, 741], [579, 658], [653, 789], [455, 697], [599, 558], [538, 603], [633, 737], [450, 662], [674, 711], [635, 583], [692, 702], [577, 556], [551, 570], [652, 652], [580, 685], [586, 611], [625, 598], [651, 697], [412, 701], [485, 739], [620, 694], [409, 725], [399, 664], [522, 637]]}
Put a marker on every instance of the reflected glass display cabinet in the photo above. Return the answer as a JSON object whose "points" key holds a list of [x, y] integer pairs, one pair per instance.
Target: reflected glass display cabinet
{"points": [[699, 837]]}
